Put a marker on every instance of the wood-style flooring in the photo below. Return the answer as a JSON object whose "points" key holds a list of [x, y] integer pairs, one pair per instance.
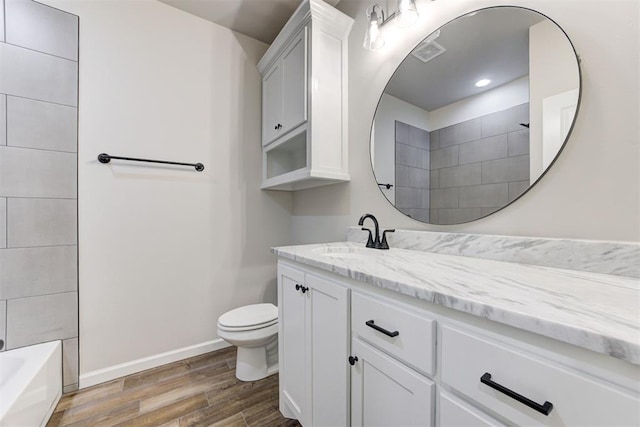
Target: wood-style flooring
{"points": [[200, 391]]}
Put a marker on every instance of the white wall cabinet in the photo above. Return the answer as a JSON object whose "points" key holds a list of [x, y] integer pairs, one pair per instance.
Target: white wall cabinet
{"points": [[313, 347], [423, 367], [284, 91], [304, 100]]}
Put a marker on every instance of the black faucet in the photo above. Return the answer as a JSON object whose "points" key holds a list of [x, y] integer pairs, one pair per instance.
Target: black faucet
{"points": [[371, 242]]}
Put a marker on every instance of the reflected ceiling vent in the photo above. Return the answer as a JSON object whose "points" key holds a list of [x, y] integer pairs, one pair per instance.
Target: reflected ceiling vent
{"points": [[427, 50]]}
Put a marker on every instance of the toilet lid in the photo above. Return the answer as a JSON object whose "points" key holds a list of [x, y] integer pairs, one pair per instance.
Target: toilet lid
{"points": [[249, 315]]}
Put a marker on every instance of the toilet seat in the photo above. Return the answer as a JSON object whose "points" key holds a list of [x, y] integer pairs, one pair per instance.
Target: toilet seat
{"points": [[249, 317]]}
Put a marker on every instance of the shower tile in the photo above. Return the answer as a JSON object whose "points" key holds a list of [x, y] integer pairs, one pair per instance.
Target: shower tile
{"points": [[444, 198], [402, 132], [484, 196], [70, 361], [518, 142], [458, 176], [460, 133], [41, 222], [418, 137], [35, 75], [418, 178], [3, 323], [444, 157], [483, 149], [29, 272], [3, 118], [43, 125], [402, 175], [37, 173], [407, 197], [3, 222], [426, 159], [505, 170], [39, 319], [42, 28], [505, 121], [434, 140], [434, 180]]}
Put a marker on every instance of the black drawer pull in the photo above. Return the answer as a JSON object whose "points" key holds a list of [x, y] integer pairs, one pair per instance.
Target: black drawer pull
{"points": [[545, 408], [371, 324]]}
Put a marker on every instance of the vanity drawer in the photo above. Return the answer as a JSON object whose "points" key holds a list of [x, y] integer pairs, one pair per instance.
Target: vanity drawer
{"points": [[576, 399], [403, 334], [454, 412]]}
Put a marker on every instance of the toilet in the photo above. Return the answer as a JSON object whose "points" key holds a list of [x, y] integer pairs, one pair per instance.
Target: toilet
{"points": [[254, 330]]}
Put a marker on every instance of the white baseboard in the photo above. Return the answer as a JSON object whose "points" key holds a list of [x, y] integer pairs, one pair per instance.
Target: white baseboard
{"points": [[128, 368]]}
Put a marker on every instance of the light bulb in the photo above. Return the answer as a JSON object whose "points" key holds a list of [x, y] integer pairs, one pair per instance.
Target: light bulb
{"points": [[482, 82], [407, 14], [374, 39]]}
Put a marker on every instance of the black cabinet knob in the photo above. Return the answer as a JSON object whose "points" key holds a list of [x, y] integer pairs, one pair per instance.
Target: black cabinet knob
{"points": [[304, 289], [353, 360], [298, 287], [275, 127]]}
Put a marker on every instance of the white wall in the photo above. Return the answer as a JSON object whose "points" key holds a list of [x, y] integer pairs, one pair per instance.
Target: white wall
{"points": [[165, 251], [501, 98], [389, 110], [591, 192], [552, 72]]}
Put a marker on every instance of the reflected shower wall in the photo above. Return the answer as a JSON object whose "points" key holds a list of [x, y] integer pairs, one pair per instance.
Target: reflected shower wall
{"points": [[465, 171], [38, 179], [479, 165], [413, 156]]}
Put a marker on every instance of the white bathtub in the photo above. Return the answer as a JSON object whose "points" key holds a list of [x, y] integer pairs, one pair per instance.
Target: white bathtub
{"points": [[30, 384]]}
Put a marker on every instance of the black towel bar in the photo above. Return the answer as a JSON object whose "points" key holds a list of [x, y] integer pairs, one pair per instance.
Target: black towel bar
{"points": [[106, 158]]}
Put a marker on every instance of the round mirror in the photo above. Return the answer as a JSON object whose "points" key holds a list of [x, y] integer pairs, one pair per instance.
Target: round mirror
{"points": [[475, 115]]}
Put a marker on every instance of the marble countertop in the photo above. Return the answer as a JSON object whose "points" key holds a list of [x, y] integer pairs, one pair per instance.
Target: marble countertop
{"points": [[596, 311]]}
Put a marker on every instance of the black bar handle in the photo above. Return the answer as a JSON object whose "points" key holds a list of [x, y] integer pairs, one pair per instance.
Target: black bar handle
{"points": [[385, 185], [371, 324], [106, 158], [545, 408]]}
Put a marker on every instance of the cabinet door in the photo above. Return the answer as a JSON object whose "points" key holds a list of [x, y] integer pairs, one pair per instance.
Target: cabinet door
{"points": [[292, 345], [294, 83], [329, 327], [272, 104], [384, 392]]}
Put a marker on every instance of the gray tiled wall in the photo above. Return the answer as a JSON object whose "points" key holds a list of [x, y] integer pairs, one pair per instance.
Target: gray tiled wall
{"points": [[479, 165], [38, 179], [413, 158]]}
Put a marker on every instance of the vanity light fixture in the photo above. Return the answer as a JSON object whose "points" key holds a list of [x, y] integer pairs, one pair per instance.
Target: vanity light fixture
{"points": [[482, 82], [405, 15]]}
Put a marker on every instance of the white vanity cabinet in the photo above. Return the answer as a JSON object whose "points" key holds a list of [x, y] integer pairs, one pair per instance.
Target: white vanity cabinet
{"points": [[412, 363], [384, 392], [304, 100], [313, 347]]}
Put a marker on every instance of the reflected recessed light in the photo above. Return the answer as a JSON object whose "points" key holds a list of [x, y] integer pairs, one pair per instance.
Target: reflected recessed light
{"points": [[483, 82]]}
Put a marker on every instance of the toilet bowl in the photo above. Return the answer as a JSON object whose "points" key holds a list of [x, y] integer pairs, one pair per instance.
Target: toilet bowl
{"points": [[254, 330]]}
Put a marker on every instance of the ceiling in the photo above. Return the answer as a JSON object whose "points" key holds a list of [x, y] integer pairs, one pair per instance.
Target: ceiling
{"points": [[492, 44], [259, 19]]}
